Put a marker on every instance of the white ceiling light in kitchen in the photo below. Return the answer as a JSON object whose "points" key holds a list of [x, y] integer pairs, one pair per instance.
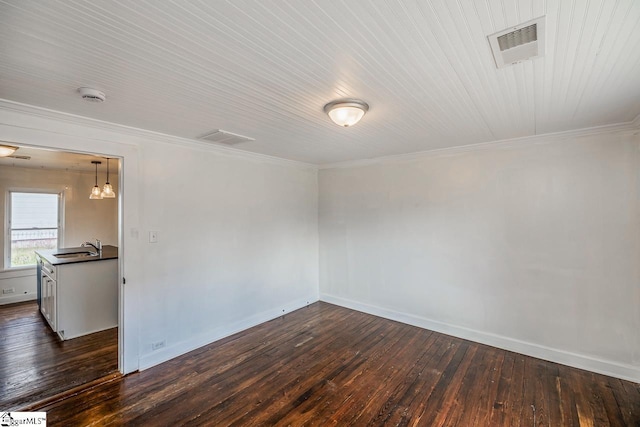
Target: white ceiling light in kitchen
{"points": [[7, 150]]}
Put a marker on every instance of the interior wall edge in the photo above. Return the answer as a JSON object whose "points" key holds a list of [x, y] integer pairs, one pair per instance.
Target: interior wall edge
{"points": [[580, 361], [157, 357], [39, 131]]}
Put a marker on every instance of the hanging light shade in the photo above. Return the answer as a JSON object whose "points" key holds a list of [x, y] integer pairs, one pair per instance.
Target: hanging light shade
{"points": [[96, 194], [107, 190], [7, 150], [346, 112]]}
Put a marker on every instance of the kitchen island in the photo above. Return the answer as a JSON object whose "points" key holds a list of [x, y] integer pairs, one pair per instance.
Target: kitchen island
{"points": [[78, 289]]}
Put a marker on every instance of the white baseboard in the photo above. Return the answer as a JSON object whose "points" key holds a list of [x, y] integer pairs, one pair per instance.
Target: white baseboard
{"points": [[600, 366], [159, 356], [18, 298]]}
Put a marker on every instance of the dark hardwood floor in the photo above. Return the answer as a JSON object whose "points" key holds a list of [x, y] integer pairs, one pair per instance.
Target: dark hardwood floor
{"points": [[326, 365], [35, 364]]}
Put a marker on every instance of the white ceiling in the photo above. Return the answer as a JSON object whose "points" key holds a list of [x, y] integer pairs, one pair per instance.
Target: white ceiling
{"points": [[51, 159], [265, 69]]}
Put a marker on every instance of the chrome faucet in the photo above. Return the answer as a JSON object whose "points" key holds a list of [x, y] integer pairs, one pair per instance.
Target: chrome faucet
{"points": [[97, 246]]}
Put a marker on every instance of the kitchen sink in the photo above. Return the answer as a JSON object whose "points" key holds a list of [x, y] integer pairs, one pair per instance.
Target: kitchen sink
{"points": [[75, 255]]}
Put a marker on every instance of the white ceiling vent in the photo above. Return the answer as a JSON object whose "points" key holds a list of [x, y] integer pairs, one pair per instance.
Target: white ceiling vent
{"points": [[223, 137], [519, 43]]}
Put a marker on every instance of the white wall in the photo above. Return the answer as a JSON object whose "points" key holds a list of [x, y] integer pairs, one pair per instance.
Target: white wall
{"points": [[237, 244], [237, 233], [84, 219], [533, 247]]}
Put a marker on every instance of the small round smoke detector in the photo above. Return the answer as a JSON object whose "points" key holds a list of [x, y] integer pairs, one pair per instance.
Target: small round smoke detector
{"points": [[92, 95]]}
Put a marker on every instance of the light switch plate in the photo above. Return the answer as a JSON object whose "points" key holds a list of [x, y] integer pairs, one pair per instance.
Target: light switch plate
{"points": [[153, 237]]}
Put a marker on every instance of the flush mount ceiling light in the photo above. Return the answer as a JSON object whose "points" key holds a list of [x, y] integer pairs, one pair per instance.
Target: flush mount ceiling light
{"points": [[7, 150], [107, 190], [91, 95], [96, 194], [346, 112]]}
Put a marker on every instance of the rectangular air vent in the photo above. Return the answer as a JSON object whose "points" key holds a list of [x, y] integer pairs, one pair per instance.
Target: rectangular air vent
{"points": [[519, 43], [223, 137]]}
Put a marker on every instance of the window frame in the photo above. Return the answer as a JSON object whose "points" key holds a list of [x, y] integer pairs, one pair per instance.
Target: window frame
{"points": [[7, 230]]}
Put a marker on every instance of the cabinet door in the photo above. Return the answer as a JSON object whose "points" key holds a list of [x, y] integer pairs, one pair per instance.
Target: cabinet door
{"points": [[44, 304], [48, 306], [53, 312]]}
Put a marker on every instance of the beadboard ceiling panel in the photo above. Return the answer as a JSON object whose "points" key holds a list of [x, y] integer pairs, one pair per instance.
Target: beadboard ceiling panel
{"points": [[36, 158], [265, 69]]}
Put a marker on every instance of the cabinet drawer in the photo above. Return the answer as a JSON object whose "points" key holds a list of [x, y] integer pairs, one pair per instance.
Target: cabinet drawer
{"points": [[49, 269]]}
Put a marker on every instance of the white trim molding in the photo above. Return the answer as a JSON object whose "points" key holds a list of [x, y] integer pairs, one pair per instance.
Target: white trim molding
{"points": [[631, 126], [620, 128], [600, 366]]}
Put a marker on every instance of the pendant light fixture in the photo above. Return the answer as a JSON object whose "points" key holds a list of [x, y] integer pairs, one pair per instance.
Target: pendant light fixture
{"points": [[346, 112], [107, 190], [96, 194]]}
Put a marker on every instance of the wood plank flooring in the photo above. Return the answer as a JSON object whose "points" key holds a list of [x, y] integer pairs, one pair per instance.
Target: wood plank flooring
{"points": [[326, 365], [35, 364]]}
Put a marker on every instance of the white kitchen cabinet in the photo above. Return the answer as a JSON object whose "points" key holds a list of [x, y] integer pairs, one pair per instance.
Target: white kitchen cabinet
{"points": [[79, 298], [48, 293], [86, 297]]}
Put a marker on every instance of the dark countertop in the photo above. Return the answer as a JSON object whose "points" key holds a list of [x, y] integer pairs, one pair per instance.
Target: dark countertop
{"points": [[108, 252]]}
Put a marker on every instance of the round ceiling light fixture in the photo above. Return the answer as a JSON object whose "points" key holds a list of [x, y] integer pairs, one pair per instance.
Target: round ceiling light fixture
{"points": [[91, 95], [346, 112]]}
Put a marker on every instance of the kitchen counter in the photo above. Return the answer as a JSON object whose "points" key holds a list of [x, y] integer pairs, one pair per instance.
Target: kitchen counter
{"points": [[76, 295], [108, 252]]}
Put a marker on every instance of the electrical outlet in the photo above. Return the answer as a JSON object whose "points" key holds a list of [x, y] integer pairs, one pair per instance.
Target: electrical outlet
{"points": [[9, 291], [158, 344]]}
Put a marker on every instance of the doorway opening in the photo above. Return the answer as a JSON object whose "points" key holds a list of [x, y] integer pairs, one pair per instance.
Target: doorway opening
{"points": [[52, 337]]}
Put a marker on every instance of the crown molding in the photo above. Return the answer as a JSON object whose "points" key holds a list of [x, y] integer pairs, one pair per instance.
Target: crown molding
{"points": [[74, 119], [630, 127]]}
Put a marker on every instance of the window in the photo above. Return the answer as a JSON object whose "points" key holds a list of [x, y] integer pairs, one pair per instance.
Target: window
{"points": [[34, 224]]}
